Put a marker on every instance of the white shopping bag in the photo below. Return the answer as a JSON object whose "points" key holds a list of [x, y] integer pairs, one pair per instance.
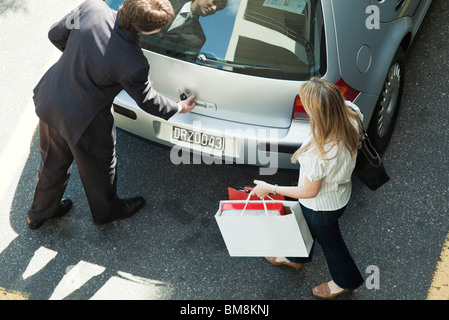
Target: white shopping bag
{"points": [[265, 235]]}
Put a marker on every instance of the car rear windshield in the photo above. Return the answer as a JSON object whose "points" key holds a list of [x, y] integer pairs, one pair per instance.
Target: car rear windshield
{"points": [[282, 39]]}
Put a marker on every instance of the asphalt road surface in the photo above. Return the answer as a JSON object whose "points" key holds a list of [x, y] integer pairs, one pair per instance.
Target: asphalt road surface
{"points": [[173, 248]]}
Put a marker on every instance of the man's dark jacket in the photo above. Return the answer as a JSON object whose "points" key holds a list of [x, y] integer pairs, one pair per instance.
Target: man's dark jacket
{"points": [[98, 61]]}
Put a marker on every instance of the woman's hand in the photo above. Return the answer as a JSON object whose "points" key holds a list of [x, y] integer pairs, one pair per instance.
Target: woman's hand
{"points": [[307, 191], [262, 189]]}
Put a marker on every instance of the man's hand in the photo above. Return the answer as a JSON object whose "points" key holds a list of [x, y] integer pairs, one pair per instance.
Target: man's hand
{"points": [[187, 105]]}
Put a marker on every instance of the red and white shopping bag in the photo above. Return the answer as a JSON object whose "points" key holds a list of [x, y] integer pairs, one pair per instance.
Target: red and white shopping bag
{"points": [[267, 229], [243, 193]]}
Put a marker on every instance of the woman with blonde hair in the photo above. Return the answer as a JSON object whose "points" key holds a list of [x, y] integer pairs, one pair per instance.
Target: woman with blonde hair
{"points": [[327, 159]]}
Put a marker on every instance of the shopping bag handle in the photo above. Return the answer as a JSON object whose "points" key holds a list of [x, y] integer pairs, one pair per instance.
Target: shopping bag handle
{"points": [[263, 201]]}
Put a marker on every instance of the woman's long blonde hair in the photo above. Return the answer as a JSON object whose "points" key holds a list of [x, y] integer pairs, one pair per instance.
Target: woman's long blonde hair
{"points": [[331, 120]]}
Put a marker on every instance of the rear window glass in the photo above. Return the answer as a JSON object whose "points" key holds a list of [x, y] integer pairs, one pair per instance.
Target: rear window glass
{"points": [[282, 39]]}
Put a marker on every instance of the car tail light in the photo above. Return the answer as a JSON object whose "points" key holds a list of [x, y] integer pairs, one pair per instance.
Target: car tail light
{"points": [[350, 94], [299, 113]]}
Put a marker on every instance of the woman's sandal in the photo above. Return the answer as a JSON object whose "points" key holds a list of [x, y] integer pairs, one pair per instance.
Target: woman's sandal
{"points": [[324, 292], [277, 261]]}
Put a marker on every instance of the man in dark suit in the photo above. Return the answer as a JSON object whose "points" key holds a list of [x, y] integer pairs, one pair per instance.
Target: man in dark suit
{"points": [[185, 37], [101, 56]]}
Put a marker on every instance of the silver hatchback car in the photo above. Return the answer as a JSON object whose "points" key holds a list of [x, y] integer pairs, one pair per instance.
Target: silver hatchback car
{"points": [[244, 60]]}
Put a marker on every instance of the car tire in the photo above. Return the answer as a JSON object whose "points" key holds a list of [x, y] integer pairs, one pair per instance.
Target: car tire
{"points": [[384, 117]]}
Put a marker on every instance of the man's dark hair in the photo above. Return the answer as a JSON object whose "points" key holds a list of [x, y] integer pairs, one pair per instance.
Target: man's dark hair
{"points": [[139, 16]]}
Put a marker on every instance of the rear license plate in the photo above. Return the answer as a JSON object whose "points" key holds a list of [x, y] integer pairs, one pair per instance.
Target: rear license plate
{"points": [[198, 138]]}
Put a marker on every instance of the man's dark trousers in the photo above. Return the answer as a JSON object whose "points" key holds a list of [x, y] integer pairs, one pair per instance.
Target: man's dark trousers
{"points": [[95, 158]]}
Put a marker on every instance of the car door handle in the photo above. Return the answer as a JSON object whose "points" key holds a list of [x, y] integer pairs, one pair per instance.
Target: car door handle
{"points": [[206, 105], [399, 4]]}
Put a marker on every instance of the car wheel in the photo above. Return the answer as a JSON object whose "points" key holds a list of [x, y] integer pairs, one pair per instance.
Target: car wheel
{"points": [[386, 111]]}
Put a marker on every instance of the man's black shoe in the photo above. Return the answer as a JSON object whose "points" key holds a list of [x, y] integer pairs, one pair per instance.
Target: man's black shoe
{"points": [[64, 207], [128, 207]]}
